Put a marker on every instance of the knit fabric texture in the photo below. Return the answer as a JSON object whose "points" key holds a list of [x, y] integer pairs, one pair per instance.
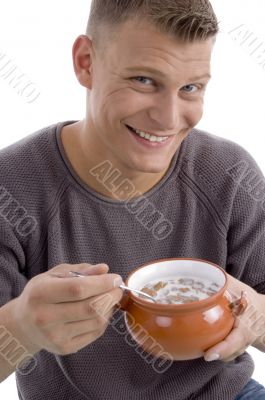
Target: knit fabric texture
{"points": [[212, 195]]}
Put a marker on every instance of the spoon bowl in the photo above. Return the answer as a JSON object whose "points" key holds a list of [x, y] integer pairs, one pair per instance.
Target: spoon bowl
{"points": [[138, 292]]}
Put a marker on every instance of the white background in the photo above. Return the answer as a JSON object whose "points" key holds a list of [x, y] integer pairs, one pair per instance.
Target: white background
{"points": [[38, 37]]}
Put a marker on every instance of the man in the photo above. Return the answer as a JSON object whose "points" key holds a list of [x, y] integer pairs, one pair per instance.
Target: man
{"points": [[132, 182]]}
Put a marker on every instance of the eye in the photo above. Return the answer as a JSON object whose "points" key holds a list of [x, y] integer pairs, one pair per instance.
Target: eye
{"points": [[142, 79], [189, 88]]}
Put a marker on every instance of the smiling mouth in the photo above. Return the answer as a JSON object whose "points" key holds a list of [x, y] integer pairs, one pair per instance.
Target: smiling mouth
{"points": [[148, 136], [138, 131]]}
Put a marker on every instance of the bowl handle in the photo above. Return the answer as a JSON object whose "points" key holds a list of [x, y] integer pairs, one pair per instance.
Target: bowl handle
{"points": [[239, 305]]}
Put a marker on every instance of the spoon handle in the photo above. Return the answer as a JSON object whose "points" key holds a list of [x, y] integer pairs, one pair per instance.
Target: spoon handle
{"points": [[139, 292]]}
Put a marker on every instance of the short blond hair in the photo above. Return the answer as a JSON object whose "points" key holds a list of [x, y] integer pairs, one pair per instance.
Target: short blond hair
{"points": [[186, 20]]}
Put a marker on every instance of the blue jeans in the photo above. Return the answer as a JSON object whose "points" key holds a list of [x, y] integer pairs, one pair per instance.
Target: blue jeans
{"points": [[252, 391]]}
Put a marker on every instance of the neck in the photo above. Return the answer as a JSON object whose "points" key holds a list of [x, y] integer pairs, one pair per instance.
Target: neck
{"points": [[98, 169]]}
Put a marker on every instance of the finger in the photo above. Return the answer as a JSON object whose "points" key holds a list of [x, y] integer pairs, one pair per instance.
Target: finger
{"points": [[235, 355], [86, 309], [79, 342], [233, 343], [56, 290], [78, 328], [87, 269]]}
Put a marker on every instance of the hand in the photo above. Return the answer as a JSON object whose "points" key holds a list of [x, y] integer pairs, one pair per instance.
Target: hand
{"points": [[243, 333], [64, 314]]}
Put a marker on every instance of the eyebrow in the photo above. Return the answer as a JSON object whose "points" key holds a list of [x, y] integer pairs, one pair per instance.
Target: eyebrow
{"points": [[162, 75]]}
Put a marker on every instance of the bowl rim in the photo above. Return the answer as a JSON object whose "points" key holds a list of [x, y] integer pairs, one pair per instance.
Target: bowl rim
{"points": [[177, 307]]}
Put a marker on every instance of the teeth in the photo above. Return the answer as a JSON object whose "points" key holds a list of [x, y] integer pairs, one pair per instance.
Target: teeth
{"points": [[149, 137]]}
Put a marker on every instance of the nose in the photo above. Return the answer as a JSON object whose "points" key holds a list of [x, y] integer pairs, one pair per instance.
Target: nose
{"points": [[166, 111]]}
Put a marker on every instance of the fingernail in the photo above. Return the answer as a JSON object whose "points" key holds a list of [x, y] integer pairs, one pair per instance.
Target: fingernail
{"points": [[100, 264], [212, 357], [117, 281]]}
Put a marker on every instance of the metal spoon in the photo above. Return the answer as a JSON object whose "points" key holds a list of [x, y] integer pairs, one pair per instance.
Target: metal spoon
{"points": [[80, 275], [139, 292]]}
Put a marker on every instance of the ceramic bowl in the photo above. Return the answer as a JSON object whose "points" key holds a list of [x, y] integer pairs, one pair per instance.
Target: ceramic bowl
{"points": [[179, 331]]}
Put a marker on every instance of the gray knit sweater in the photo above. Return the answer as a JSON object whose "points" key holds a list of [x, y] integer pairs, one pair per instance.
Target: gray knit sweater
{"points": [[210, 205]]}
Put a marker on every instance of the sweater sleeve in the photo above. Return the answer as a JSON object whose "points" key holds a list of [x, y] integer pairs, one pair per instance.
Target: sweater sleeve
{"points": [[12, 263], [246, 233]]}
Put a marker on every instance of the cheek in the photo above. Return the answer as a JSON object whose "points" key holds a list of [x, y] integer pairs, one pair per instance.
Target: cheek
{"points": [[117, 99], [119, 105], [194, 113]]}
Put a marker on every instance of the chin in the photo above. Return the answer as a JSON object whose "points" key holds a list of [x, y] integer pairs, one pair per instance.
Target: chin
{"points": [[152, 168]]}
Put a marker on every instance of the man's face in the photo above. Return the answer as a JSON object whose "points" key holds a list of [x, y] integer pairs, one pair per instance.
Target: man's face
{"points": [[167, 103]]}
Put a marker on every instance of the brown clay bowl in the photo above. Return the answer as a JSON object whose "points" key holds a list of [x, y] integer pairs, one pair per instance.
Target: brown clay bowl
{"points": [[179, 331]]}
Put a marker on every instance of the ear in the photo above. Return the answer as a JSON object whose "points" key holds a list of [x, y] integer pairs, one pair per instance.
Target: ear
{"points": [[82, 60]]}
